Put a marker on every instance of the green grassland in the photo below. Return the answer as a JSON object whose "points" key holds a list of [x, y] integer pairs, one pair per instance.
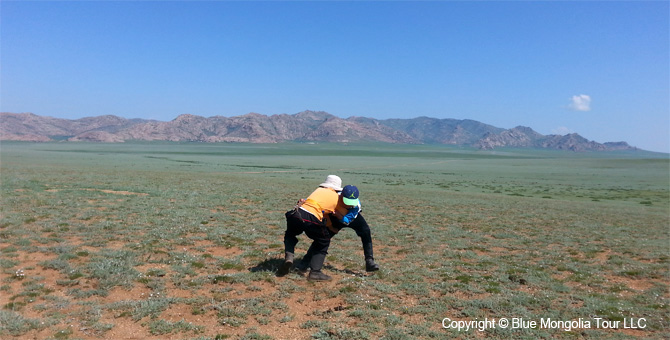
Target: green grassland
{"points": [[181, 241]]}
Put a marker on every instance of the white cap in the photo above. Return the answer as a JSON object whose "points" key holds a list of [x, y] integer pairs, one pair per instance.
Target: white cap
{"points": [[332, 181]]}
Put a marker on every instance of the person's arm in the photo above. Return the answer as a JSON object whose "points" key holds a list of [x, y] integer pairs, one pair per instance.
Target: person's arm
{"points": [[351, 215]]}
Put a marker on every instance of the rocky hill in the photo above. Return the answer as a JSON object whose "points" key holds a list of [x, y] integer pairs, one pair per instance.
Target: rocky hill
{"points": [[307, 126]]}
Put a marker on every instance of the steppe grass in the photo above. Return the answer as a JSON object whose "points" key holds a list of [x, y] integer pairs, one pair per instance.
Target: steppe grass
{"points": [[182, 240]]}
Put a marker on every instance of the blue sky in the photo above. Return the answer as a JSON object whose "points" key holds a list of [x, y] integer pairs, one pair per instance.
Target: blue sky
{"points": [[600, 69]]}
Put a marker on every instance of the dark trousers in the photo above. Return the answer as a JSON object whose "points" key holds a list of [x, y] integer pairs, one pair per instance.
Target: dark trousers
{"points": [[299, 221], [362, 229]]}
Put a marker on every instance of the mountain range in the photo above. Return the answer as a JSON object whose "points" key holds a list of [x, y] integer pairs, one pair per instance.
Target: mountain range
{"points": [[306, 126]]}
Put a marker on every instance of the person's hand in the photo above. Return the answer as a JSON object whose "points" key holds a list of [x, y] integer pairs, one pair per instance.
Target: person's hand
{"points": [[299, 203]]}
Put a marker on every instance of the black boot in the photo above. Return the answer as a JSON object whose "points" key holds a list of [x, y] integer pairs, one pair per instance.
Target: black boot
{"points": [[303, 265], [370, 265], [286, 266], [316, 264], [306, 261], [317, 275]]}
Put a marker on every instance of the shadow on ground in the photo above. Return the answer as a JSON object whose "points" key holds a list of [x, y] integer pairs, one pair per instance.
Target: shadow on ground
{"points": [[344, 271], [272, 265], [269, 265]]}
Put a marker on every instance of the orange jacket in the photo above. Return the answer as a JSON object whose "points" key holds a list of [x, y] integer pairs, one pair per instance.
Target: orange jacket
{"points": [[322, 200]]}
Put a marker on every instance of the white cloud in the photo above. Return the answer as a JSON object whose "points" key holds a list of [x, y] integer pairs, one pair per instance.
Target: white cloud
{"points": [[581, 102], [561, 130]]}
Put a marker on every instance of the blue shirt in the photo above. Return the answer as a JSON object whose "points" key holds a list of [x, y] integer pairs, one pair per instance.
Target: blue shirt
{"points": [[351, 214]]}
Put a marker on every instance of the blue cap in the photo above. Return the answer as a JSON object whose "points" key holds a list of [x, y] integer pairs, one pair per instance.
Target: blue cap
{"points": [[350, 195]]}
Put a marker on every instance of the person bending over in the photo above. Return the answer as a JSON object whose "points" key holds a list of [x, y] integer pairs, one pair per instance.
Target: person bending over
{"points": [[309, 217], [347, 214]]}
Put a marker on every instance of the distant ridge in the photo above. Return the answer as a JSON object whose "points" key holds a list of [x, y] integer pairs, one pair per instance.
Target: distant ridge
{"points": [[306, 126]]}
